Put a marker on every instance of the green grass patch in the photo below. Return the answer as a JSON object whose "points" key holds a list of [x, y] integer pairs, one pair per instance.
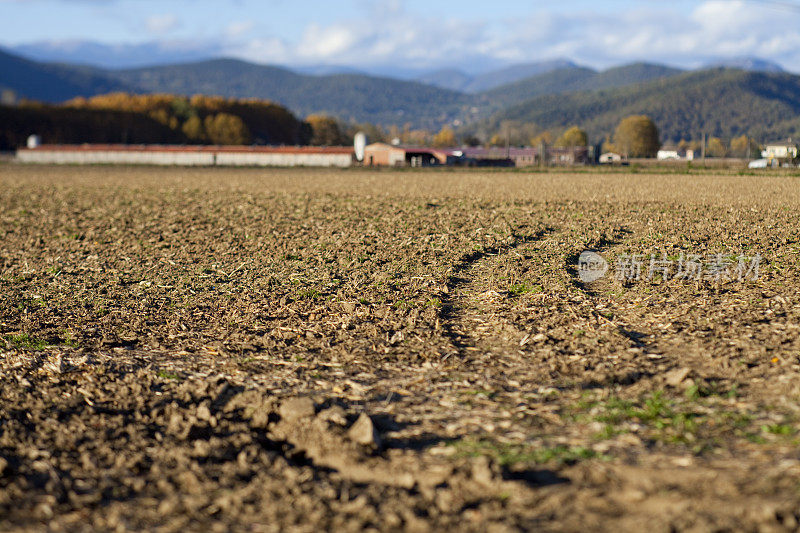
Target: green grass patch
{"points": [[434, 302], [784, 430], [307, 294], [699, 419], [404, 304], [511, 454], [68, 340], [24, 341], [518, 289], [167, 375]]}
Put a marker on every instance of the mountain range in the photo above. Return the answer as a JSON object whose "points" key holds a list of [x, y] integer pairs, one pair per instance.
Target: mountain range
{"points": [[755, 97], [458, 80], [52, 82], [718, 102], [114, 56]]}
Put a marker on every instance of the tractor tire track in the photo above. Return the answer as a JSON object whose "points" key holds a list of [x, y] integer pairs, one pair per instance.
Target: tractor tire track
{"points": [[471, 316]]}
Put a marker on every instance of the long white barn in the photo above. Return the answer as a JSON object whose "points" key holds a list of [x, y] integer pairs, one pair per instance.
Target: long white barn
{"points": [[266, 156]]}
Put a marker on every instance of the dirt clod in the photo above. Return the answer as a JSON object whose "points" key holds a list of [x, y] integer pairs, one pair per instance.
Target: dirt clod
{"points": [[675, 377], [297, 408], [363, 432]]}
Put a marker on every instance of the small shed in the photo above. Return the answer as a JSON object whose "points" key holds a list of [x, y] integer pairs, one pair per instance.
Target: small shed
{"points": [[609, 158], [669, 152], [390, 155]]}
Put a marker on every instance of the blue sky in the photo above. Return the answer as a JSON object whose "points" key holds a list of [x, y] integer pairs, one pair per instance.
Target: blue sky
{"points": [[427, 34]]}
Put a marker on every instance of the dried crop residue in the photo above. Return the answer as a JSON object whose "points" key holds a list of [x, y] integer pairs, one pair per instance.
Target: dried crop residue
{"points": [[305, 350]]}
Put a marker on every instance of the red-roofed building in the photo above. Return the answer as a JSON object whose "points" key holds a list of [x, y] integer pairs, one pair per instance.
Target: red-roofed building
{"points": [[390, 155], [277, 156]]}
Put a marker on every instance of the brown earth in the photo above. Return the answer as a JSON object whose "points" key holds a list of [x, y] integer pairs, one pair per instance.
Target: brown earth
{"points": [[205, 349]]}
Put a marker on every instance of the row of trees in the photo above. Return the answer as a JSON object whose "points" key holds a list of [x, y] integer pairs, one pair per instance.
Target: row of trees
{"points": [[122, 117], [166, 118], [61, 125], [635, 136], [573, 136], [328, 131], [208, 119], [742, 146]]}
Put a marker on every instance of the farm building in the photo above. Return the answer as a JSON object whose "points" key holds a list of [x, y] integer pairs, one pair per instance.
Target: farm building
{"points": [[668, 152], [390, 155], [278, 156], [780, 151], [496, 156], [672, 152], [610, 158], [526, 157], [377, 154], [578, 155]]}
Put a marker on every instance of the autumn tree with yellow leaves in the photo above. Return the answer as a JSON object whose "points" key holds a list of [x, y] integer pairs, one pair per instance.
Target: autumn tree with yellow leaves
{"points": [[445, 138], [226, 129], [637, 136], [716, 148], [325, 131], [744, 146], [574, 136], [208, 118]]}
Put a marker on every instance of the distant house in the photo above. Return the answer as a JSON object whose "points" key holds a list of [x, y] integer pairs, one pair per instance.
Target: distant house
{"points": [[392, 155], [384, 155], [499, 156], [526, 156], [676, 153], [783, 151], [609, 158], [669, 152]]}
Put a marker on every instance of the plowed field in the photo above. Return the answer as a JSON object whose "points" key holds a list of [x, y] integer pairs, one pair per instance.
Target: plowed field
{"points": [[302, 350]]}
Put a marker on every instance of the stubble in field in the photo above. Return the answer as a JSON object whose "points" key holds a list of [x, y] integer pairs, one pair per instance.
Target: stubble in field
{"points": [[271, 350]]}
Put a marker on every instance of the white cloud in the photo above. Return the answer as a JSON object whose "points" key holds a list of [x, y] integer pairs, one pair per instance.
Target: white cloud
{"points": [[320, 43], [236, 30], [378, 39], [269, 50], [161, 24], [388, 34], [414, 34]]}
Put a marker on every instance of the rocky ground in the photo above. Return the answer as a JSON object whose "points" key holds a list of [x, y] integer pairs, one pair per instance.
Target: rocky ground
{"points": [[301, 350]]}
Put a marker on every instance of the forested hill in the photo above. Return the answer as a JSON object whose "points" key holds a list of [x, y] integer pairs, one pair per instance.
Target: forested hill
{"points": [[458, 80], [719, 102], [52, 82], [350, 97], [573, 79]]}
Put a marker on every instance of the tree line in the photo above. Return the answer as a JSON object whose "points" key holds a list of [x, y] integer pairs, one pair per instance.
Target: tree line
{"points": [[208, 119], [634, 136], [171, 119], [161, 119]]}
